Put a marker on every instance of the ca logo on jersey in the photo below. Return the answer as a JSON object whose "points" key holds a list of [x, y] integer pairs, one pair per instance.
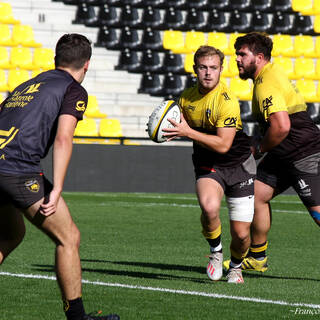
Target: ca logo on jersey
{"points": [[32, 185], [81, 106], [267, 103], [230, 122]]}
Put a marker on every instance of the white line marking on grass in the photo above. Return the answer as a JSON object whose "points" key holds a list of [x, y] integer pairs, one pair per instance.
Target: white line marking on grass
{"points": [[163, 204], [184, 292]]}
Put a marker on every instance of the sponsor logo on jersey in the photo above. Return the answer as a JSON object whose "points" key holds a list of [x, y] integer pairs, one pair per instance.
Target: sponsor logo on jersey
{"points": [[230, 122], [225, 95], [246, 183], [266, 103], [81, 106], [32, 185]]}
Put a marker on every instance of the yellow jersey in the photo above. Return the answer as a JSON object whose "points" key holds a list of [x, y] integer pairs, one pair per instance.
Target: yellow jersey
{"points": [[205, 113], [274, 92]]}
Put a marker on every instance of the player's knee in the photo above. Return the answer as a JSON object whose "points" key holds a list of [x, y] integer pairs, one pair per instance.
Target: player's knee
{"points": [[241, 236], [210, 210], [70, 238]]}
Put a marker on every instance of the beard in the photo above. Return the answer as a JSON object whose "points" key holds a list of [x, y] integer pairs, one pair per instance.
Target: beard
{"points": [[248, 72]]}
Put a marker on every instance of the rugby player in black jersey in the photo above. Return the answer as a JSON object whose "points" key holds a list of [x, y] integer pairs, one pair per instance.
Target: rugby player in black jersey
{"points": [[39, 113]]}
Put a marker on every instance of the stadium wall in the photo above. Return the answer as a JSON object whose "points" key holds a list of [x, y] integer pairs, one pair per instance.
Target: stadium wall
{"points": [[125, 168]]}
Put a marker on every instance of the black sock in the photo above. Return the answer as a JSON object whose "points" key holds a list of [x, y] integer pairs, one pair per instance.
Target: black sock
{"points": [[73, 309], [258, 251]]}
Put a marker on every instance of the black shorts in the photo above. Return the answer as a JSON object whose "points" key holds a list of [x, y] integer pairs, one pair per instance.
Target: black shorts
{"points": [[236, 181], [302, 175], [23, 190]]}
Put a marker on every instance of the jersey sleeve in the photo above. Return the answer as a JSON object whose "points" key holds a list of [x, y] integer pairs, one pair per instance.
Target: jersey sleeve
{"points": [[75, 101], [229, 112], [270, 101]]}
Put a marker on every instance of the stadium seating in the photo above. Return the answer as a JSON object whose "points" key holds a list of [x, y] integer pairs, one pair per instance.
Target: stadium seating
{"points": [[16, 77], [6, 14], [23, 35], [157, 39], [110, 128], [21, 57], [5, 35], [93, 110], [3, 81], [5, 58], [43, 58], [86, 127]]}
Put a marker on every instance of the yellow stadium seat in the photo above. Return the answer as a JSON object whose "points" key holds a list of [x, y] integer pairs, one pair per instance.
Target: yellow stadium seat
{"points": [[43, 58], [287, 65], [317, 72], [308, 89], [233, 68], [110, 128], [93, 110], [23, 35], [6, 14], [189, 62], [16, 77], [304, 68], [304, 46], [303, 6], [232, 38], [316, 23], [316, 7], [241, 88], [218, 40], [173, 40], [193, 40], [283, 45], [5, 58], [86, 127], [21, 57], [3, 81], [5, 36], [225, 70]]}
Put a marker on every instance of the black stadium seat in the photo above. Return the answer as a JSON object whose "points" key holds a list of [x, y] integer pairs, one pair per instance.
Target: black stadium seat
{"points": [[151, 17], [85, 15], [302, 25], [260, 22], [151, 39], [108, 38], [173, 86], [238, 22], [173, 19], [173, 63], [129, 38], [150, 84], [150, 62], [128, 60], [243, 5], [130, 17], [195, 20], [281, 23], [217, 21], [108, 16]]}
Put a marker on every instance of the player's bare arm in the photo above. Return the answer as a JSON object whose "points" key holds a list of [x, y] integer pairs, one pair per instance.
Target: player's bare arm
{"points": [[62, 150], [278, 130], [221, 142]]}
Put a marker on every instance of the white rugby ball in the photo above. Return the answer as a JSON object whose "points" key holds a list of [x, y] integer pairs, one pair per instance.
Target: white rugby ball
{"points": [[158, 119]]}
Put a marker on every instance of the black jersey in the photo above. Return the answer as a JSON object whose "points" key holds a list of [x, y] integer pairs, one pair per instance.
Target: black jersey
{"points": [[29, 117]]}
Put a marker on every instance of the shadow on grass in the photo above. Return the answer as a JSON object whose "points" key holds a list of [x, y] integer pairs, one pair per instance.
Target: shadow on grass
{"points": [[162, 276]]}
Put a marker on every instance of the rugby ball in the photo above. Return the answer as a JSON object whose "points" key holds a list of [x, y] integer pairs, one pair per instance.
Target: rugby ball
{"points": [[158, 119]]}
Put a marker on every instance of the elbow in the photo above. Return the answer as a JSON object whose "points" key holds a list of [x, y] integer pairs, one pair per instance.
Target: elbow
{"points": [[223, 149]]}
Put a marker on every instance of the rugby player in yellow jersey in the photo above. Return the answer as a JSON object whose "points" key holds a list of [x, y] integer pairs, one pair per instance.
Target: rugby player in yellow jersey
{"points": [[222, 160], [289, 137]]}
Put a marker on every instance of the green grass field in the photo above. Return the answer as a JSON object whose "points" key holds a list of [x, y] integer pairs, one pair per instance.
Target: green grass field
{"points": [[144, 257]]}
